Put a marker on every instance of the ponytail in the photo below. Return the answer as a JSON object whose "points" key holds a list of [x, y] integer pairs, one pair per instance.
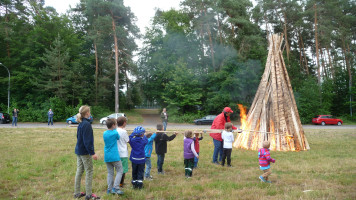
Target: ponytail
{"points": [[82, 111]]}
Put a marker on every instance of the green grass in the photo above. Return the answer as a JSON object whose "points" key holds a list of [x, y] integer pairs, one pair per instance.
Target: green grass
{"points": [[40, 164]]}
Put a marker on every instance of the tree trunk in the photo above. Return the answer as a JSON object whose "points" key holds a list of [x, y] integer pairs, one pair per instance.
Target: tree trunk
{"points": [[301, 63], [96, 73], [330, 62], [285, 30], [350, 77], [116, 65], [285, 36], [211, 43], [304, 55], [323, 62], [6, 32], [349, 71], [317, 45]]}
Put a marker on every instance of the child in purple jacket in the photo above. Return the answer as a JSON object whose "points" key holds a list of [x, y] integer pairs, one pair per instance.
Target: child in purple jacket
{"points": [[265, 159], [189, 154]]}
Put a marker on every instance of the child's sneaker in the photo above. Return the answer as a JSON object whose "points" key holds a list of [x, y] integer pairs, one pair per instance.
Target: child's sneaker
{"points": [[92, 196], [262, 179], [116, 191], [229, 165], [268, 181], [79, 195], [149, 178]]}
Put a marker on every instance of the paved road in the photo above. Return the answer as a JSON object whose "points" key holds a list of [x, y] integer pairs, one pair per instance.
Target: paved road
{"points": [[152, 125]]}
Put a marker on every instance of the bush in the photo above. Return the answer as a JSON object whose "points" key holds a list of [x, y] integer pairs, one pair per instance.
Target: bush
{"points": [[186, 118]]}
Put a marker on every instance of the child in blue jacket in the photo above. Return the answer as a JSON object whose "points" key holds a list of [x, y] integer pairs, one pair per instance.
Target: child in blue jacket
{"points": [[138, 142], [112, 157], [148, 152]]}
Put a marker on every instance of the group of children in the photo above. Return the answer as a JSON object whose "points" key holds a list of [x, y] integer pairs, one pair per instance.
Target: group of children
{"points": [[116, 154]]}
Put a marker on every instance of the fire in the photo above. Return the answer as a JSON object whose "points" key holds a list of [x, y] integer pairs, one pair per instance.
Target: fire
{"points": [[252, 139], [243, 116], [242, 139]]}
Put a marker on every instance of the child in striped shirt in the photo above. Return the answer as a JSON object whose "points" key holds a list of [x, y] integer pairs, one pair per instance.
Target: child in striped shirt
{"points": [[265, 160]]}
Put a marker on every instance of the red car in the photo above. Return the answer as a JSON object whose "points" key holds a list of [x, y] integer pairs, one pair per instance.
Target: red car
{"points": [[326, 119]]}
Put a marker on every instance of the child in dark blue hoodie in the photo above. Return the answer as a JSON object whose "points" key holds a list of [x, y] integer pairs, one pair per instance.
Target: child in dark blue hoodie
{"points": [[138, 142]]}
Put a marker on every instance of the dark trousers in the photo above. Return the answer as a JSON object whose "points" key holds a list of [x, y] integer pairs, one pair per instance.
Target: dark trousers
{"points": [[226, 154], [160, 161], [189, 165], [137, 175]]}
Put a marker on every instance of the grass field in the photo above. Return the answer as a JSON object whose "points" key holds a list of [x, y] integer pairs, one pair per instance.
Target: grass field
{"points": [[41, 164]]}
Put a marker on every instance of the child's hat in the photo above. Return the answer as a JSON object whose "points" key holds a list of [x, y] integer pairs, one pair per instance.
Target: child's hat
{"points": [[138, 131]]}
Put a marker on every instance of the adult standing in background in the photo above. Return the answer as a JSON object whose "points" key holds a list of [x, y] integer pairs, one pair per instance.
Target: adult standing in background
{"points": [[15, 113], [219, 123], [50, 117], [164, 117]]}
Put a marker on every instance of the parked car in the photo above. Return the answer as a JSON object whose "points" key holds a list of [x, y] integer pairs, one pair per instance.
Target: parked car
{"points": [[73, 119], [114, 116], [4, 118], [205, 120], [326, 119]]}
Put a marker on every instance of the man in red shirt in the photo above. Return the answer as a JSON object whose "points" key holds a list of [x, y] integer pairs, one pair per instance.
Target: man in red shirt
{"points": [[219, 123]]}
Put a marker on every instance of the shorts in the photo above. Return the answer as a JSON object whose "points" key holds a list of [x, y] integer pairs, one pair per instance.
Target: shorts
{"points": [[125, 164]]}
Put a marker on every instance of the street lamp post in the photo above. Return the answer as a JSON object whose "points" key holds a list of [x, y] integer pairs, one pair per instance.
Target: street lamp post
{"points": [[8, 90]]}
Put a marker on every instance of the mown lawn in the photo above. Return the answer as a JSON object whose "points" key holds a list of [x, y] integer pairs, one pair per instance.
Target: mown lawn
{"points": [[41, 164]]}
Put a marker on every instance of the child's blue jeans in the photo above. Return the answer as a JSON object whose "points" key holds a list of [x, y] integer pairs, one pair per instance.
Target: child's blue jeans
{"points": [[148, 167], [196, 160]]}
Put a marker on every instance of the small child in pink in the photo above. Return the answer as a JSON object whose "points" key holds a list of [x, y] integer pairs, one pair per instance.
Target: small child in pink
{"points": [[265, 159]]}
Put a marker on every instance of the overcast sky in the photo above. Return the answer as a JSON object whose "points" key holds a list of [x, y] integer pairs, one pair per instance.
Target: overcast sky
{"points": [[144, 10]]}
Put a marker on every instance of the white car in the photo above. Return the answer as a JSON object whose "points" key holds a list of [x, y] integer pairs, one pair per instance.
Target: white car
{"points": [[114, 115]]}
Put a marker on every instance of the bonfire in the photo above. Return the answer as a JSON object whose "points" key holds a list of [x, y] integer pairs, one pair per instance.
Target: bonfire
{"points": [[273, 115]]}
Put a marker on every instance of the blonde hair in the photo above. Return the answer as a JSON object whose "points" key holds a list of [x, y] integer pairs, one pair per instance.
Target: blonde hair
{"points": [[266, 144], [82, 111], [188, 134]]}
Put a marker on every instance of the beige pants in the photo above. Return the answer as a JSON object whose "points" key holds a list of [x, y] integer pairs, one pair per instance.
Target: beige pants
{"points": [[84, 162], [266, 173]]}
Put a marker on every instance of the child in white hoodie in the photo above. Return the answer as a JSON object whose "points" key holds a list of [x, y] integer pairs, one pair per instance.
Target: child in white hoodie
{"points": [[228, 139]]}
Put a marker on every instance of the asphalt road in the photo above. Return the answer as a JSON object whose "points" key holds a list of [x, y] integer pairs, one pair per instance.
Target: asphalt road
{"points": [[152, 125]]}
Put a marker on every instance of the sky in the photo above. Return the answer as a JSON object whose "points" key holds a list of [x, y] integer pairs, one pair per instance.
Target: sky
{"points": [[144, 10]]}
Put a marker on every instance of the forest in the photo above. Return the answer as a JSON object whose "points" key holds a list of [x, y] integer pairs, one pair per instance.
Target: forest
{"points": [[194, 60]]}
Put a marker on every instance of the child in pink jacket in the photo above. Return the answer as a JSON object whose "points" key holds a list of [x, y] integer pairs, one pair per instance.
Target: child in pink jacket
{"points": [[265, 160]]}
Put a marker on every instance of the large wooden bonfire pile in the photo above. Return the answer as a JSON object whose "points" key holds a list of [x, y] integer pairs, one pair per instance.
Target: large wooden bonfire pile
{"points": [[273, 115]]}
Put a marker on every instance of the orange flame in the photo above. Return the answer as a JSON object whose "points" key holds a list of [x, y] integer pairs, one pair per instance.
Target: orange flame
{"points": [[247, 141], [242, 139]]}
